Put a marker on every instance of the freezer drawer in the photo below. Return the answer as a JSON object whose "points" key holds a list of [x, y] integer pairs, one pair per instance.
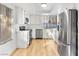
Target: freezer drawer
{"points": [[64, 50]]}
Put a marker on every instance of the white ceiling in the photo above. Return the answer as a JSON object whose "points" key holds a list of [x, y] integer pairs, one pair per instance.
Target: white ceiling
{"points": [[35, 8]]}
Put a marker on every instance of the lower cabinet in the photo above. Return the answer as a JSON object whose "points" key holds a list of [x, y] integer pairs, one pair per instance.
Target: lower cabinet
{"points": [[23, 39]]}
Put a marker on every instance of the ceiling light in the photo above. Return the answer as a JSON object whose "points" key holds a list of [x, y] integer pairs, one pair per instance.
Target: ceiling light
{"points": [[43, 4]]}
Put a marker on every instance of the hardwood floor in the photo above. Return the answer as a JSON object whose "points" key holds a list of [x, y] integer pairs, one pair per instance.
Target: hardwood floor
{"points": [[40, 47]]}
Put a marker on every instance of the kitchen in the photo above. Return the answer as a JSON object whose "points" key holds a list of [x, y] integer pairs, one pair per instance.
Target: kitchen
{"points": [[40, 23]]}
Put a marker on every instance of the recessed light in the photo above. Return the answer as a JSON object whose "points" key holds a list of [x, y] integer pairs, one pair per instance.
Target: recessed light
{"points": [[43, 5]]}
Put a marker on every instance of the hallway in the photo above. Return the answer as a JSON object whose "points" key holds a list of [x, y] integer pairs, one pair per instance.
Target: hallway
{"points": [[39, 47]]}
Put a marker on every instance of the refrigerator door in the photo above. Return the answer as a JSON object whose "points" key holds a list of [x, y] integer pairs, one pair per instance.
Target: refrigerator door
{"points": [[64, 46], [63, 30], [74, 31]]}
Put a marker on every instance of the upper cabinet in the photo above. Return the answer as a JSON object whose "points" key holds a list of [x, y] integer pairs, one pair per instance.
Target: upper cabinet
{"points": [[20, 16], [53, 19], [35, 19], [39, 19]]}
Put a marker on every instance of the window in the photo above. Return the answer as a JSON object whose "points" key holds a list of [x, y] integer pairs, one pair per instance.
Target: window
{"points": [[5, 24]]}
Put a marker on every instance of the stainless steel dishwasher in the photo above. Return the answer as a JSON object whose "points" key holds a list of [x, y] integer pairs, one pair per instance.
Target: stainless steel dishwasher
{"points": [[39, 33]]}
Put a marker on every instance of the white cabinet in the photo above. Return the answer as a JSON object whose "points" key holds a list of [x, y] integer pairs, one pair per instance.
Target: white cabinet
{"points": [[20, 16], [23, 39], [50, 33], [45, 33], [35, 19]]}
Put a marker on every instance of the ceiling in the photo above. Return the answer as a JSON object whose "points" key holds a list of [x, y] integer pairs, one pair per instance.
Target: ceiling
{"points": [[35, 8]]}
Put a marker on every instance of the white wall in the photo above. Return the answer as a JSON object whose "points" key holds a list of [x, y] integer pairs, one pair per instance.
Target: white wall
{"points": [[10, 46]]}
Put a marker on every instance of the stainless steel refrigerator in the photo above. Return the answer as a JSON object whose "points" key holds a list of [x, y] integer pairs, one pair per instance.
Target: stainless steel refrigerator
{"points": [[68, 33]]}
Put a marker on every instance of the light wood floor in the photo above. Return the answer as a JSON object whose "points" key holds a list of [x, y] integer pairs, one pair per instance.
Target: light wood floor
{"points": [[38, 47]]}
